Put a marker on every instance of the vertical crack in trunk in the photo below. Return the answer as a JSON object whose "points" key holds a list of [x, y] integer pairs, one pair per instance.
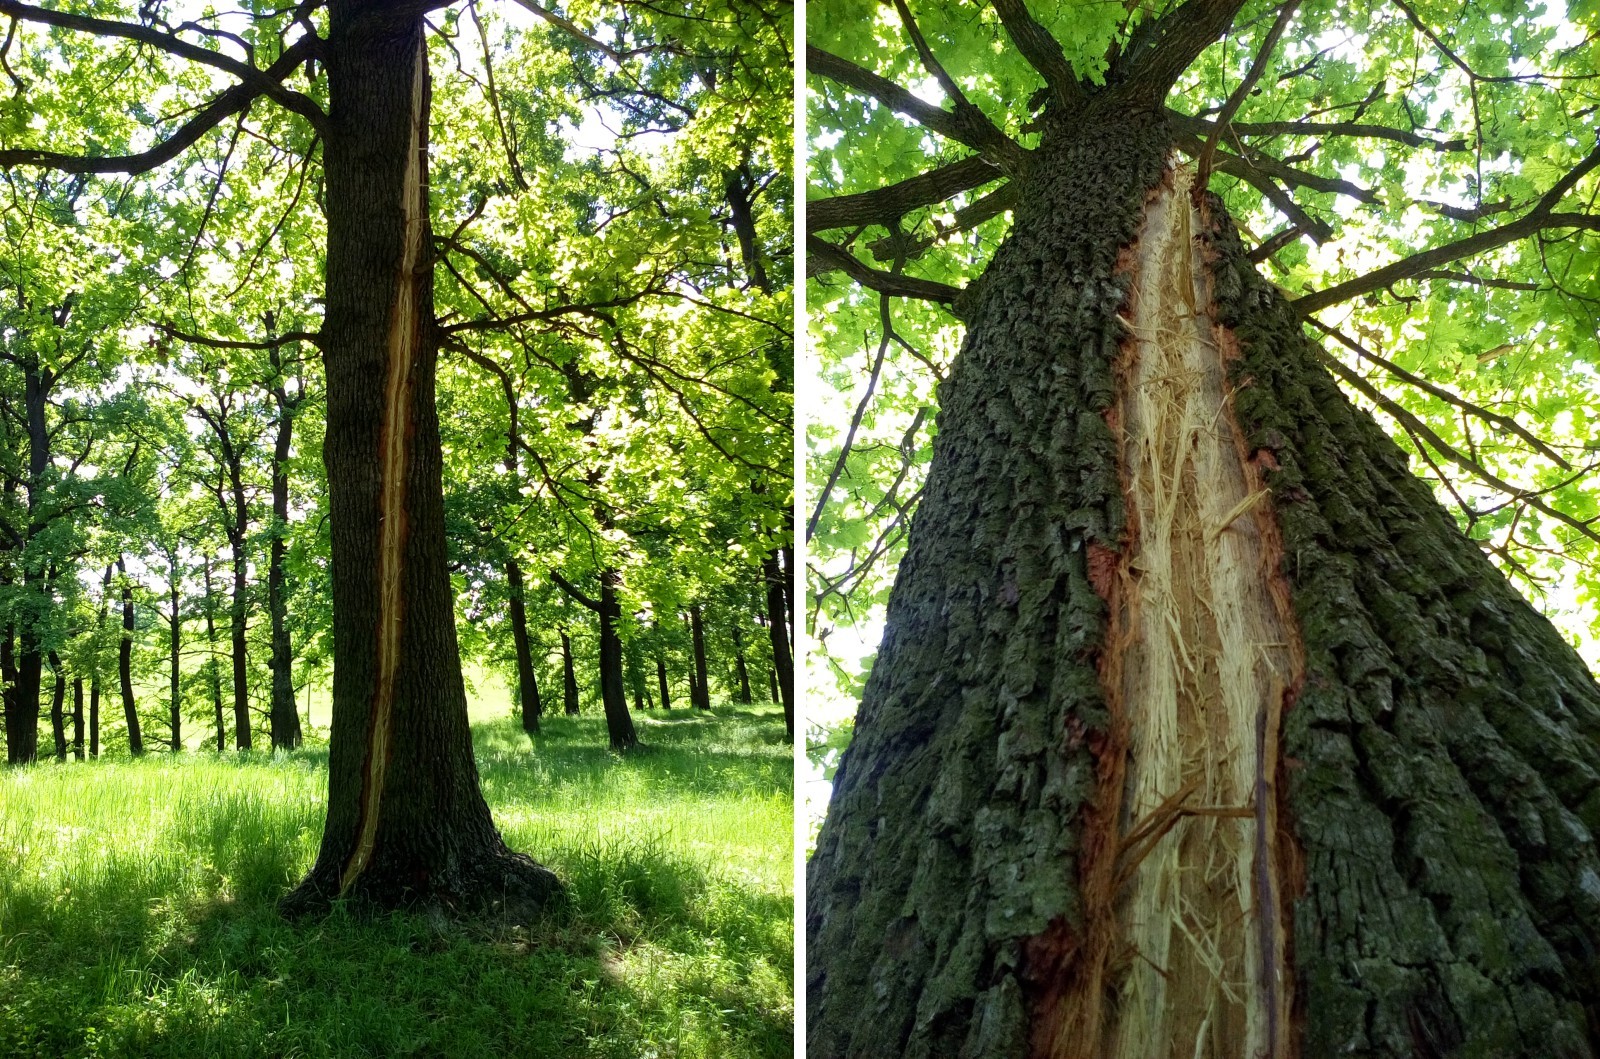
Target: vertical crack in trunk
{"points": [[1203, 657], [405, 334]]}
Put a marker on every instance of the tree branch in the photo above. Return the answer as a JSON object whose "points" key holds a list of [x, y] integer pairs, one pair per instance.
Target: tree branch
{"points": [[230, 102], [981, 136], [824, 256], [886, 204], [1257, 68], [1042, 51], [575, 592], [1168, 47]]}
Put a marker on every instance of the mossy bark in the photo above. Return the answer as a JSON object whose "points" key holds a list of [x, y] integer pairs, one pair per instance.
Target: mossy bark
{"points": [[1439, 762]]}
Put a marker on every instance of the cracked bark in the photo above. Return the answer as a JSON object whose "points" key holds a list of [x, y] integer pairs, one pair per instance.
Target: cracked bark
{"points": [[1439, 758]]}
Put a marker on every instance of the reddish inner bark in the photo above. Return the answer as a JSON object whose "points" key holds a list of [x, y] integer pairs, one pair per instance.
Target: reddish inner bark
{"points": [[1186, 864]]}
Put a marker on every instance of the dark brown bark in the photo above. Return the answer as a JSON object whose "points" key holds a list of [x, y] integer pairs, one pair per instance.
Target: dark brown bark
{"points": [[778, 633], [527, 683], [661, 680], [1438, 774], [213, 674], [238, 623], [57, 702], [697, 635], [130, 713], [77, 718], [569, 676], [741, 670], [284, 715], [406, 818]]}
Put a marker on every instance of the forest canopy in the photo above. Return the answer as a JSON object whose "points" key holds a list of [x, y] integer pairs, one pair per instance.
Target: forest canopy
{"points": [[1418, 177]]}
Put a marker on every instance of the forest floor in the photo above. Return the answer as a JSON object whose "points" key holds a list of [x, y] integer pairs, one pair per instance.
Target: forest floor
{"points": [[137, 907]]}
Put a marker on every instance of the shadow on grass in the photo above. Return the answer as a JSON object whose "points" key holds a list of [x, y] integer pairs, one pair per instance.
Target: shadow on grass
{"points": [[163, 940]]}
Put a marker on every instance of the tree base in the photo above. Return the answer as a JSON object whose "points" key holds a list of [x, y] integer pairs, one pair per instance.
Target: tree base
{"points": [[505, 885]]}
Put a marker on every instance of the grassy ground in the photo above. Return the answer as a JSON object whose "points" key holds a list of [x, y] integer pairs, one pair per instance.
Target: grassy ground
{"points": [[137, 919]]}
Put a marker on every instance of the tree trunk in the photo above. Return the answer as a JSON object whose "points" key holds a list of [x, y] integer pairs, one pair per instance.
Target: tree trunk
{"points": [[1102, 728], [697, 634], [741, 670], [406, 818], [661, 680], [125, 664], [237, 616], [213, 677], [16, 730], [174, 646], [58, 720], [636, 681], [613, 697], [772, 683], [570, 685], [778, 632], [284, 716], [77, 718], [527, 683]]}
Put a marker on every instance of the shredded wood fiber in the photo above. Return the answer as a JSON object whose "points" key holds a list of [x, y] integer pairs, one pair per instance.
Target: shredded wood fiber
{"points": [[1205, 658]]}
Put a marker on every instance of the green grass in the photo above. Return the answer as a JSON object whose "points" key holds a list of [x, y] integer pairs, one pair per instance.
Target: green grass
{"points": [[137, 907]]}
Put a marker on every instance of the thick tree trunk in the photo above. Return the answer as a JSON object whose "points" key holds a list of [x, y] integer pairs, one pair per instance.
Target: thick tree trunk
{"points": [[661, 681], [130, 713], [740, 669], [406, 819], [613, 697], [527, 684], [77, 718], [697, 633], [213, 676], [1198, 727], [174, 648], [569, 676], [58, 719], [284, 717], [778, 632]]}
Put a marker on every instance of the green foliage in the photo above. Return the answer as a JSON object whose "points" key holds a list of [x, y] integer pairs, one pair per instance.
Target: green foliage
{"points": [[137, 918]]}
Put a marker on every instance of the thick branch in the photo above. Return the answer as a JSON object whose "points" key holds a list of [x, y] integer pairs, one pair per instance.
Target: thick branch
{"points": [[962, 127], [1171, 45], [886, 204], [264, 82], [1042, 50], [230, 102], [823, 256], [575, 592]]}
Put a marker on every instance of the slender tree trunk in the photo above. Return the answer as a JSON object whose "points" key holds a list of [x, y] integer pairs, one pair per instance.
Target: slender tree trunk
{"points": [[58, 727], [527, 683], [613, 697], [16, 731], [77, 718], [213, 676], [284, 715], [1269, 767], [237, 620], [570, 687], [406, 819], [130, 713], [661, 681], [174, 646], [741, 670], [778, 632], [772, 683], [697, 632]]}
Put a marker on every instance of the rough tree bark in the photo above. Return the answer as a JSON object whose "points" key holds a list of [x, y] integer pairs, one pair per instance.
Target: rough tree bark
{"points": [[130, 713], [406, 818], [1377, 754]]}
